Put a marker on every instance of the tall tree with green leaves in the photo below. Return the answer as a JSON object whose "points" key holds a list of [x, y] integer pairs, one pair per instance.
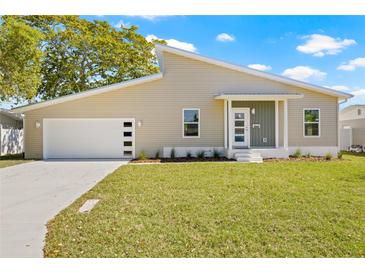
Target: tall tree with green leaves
{"points": [[79, 54], [20, 60]]}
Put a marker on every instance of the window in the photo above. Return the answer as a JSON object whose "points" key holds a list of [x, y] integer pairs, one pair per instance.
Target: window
{"points": [[191, 122], [311, 123], [359, 111]]}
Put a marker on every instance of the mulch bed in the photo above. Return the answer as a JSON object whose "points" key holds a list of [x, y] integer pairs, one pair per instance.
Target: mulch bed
{"points": [[181, 160], [302, 159]]}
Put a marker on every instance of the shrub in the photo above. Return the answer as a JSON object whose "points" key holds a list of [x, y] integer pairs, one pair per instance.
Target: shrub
{"points": [[201, 154], [157, 155], [172, 153], [142, 155], [216, 154], [328, 156], [339, 155], [297, 153], [188, 154], [308, 155]]}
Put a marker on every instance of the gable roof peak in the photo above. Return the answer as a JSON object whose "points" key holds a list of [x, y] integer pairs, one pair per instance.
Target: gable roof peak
{"points": [[160, 49]]}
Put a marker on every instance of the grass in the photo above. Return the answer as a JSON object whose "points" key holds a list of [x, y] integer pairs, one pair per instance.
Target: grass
{"points": [[274, 209], [11, 160]]}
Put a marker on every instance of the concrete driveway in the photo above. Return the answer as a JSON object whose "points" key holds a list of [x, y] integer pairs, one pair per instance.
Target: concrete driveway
{"points": [[33, 193]]}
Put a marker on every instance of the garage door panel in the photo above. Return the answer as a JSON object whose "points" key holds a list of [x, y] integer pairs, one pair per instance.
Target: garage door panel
{"points": [[83, 138]]}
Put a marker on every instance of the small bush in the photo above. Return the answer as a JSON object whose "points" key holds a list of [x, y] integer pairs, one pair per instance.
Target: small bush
{"points": [[328, 156], [216, 154], [188, 154], [157, 155], [308, 155], [201, 154], [339, 155], [172, 153], [142, 155], [297, 153]]}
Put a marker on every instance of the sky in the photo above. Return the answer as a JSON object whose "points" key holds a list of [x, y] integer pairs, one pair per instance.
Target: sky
{"points": [[323, 50]]}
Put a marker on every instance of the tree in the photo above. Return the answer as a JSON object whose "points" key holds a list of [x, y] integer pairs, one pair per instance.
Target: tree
{"points": [[80, 54], [20, 60]]}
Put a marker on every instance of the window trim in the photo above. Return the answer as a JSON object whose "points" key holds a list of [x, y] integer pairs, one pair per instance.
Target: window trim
{"points": [[183, 123], [319, 123]]}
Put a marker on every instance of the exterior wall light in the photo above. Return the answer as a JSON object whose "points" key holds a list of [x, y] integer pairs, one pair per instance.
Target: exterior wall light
{"points": [[253, 110], [37, 124], [139, 123]]}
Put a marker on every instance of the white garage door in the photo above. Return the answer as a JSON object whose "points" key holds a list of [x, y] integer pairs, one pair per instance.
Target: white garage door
{"points": [[88, 138]]}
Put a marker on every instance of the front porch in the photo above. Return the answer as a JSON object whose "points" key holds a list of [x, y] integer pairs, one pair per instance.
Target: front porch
{"points": [[256, 125]]}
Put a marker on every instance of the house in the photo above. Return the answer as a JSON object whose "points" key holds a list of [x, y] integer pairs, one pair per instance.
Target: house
{"points": [[195, 103], [352, 126], [11, 133]]}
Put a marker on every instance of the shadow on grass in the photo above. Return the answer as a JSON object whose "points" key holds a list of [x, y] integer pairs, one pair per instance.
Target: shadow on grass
{"points": [[11, 157], [361, 154]]}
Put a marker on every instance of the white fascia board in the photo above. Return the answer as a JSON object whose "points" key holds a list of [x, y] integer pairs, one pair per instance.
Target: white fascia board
{"points": [[254, 72], [88, 93], [258, 97]]}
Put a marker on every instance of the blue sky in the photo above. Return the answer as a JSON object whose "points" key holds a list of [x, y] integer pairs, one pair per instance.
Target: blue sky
{"points": [[325, 50]]}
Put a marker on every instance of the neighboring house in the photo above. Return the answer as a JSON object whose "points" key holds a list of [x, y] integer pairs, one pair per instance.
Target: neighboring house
{"points": [[352, 122], [11, 132], [196, 103]]}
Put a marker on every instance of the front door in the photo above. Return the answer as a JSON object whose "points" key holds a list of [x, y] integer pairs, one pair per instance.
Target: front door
{"points": [[241, 127]]}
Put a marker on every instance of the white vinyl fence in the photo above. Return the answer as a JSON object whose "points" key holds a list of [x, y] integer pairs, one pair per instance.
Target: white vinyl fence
{"points": [[345, 138], [11, 141]]}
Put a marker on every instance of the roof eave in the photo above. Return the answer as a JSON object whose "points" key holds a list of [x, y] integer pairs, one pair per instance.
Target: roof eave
{"points": [[258, 97]]}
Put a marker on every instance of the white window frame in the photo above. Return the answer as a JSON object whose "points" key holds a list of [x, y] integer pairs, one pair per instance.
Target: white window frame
{"points": [[183, 123], [319, 122]]}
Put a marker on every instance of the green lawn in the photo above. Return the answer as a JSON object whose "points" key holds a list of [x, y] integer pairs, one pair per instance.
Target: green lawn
{"points": [[275, 209], [11, 160]]}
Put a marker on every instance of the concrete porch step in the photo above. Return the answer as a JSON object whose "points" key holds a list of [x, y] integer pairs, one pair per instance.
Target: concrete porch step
{"points": [[248, 156]]}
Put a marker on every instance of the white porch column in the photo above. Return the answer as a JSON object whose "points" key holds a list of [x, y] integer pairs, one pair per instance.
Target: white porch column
{"points": [[225, 125], [229, 124], [276, 123], [286, 123]]}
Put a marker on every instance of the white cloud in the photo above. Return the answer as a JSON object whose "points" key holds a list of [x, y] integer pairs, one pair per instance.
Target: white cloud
{"points": [[121, 24], [174, 43], [358, 93], [353, 64], [151, 18], [304, 73], [320, 45], [339, 88], [225, 37], [260, 67]]}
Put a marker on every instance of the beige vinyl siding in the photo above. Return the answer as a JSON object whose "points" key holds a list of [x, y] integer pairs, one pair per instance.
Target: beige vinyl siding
{"points": [[187, 83], [328, 120]]}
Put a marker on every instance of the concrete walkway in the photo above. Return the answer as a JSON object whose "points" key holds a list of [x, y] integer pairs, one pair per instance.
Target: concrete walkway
{"points": [[33, 193]]}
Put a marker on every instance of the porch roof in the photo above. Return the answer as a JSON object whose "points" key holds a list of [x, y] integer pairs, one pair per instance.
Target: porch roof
{"points": [[258, 96]]}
